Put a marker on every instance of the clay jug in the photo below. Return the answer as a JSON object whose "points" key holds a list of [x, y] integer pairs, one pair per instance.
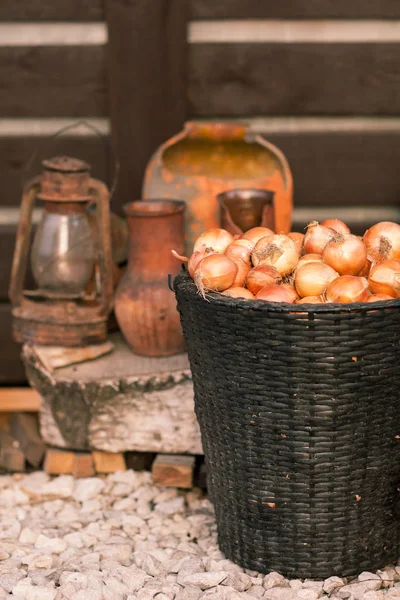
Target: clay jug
{"points": [[145, 307], [208, 158]]}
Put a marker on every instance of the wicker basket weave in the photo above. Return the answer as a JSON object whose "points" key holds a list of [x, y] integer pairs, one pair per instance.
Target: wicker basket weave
{"points": [[299, 410]]}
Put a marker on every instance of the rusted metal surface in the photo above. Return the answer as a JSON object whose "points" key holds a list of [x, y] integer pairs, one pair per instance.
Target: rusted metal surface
{"points": [[242, 210], [144, 305], [206, 159], [43, 317], [65, 179]]}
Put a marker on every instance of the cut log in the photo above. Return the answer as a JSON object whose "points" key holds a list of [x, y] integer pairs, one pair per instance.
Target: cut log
{"points": [[120, 402], [108, 462], [58, 462], [83, 465], [25, 429], [19, 399], [55, 357], [173, 471]]}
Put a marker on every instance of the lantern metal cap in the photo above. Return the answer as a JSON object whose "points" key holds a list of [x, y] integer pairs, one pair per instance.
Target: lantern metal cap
{"points": [[65, 179], [65, 164]]}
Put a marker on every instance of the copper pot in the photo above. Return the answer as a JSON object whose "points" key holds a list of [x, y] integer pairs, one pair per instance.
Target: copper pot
{"points": [[243, 209], [145, 307]]}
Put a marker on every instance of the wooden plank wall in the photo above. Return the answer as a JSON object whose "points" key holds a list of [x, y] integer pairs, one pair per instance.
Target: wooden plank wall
{"points": [[320, 78]]}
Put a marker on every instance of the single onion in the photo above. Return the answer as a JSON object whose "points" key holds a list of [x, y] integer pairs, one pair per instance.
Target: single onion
{"points": [[317, 237], [243, 269], [215, 273], [197, 257], [240, 249], [311, 300], [217, 239], [384, 278], [379, 297], [278, 251], [290, 288], [346, 254], [261, 276], [313, 278], [277, 293], [298, 240], [366, 268], [383, 241], [337, 225], [348, 288], [256, 233], [307, 258], [238, 292]]}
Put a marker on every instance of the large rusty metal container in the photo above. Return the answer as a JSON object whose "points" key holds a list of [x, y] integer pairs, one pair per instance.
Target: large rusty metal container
{"points": [[208, 158]]}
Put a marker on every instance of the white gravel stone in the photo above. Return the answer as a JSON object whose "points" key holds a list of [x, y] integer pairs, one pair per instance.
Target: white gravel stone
{"points": [[307, 594], [256, 591], [171, 507], [239, 581], [27, 536], [280, 593], [274, 579], [374, 595], [4, 554], [87, 489], [331, 584], [204, 581], [296, 584], [370, 580]]}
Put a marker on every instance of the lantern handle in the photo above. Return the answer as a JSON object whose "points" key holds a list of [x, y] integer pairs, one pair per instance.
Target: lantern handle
{"points": [[74, 125], [21, 252], [104, 244]]}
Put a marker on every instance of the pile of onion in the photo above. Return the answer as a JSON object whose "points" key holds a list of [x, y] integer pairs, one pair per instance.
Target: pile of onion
{"points": [[326, 264]]}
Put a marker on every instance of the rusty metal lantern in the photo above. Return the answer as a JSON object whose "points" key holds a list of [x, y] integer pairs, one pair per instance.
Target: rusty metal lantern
{"points": [[66, 309]]}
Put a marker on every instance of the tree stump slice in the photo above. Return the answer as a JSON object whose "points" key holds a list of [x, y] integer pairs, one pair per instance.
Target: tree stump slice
{"points": [[119, 402]]}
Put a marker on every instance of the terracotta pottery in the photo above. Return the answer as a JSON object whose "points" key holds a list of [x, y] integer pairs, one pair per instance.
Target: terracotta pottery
{"points": [[242, 210], [145, 307], [206, 159]]}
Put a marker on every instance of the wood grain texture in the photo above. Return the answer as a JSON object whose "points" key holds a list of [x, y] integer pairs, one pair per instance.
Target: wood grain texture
{"points": [[11, 368], [51, 10], [293, 9], [294, 79], [62, 81], [15, 154], [147, 79]]}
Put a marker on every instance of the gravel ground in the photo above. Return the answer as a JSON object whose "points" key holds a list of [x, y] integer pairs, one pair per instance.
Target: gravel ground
{"points": [[122, 538]]}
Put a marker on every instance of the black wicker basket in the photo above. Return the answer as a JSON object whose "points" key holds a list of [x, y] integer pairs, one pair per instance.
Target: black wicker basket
{"points": [[299, 410]]}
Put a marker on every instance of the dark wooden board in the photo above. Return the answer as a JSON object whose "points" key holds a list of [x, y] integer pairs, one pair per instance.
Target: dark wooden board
{"points": [[343, 169], [295, 9], [11, 368], [15, 153], [294, 79], [47, 81], [51, 10], [147, 74]]}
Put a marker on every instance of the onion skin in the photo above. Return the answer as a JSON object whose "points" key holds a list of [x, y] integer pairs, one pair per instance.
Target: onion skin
{"points": [[240, 250], [384, 278], [298, 239], [347, 289], [197, 257], [366, 269], [383, 241], [256, 233], [277, 293], [217, 239], [317, 237], [311, 300], [238, 292], [260, 277], [379, 297], [312, 279], [336, 225], [307, 258], [346, 254], [243, 269], [215, 273], [278, 251]]}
